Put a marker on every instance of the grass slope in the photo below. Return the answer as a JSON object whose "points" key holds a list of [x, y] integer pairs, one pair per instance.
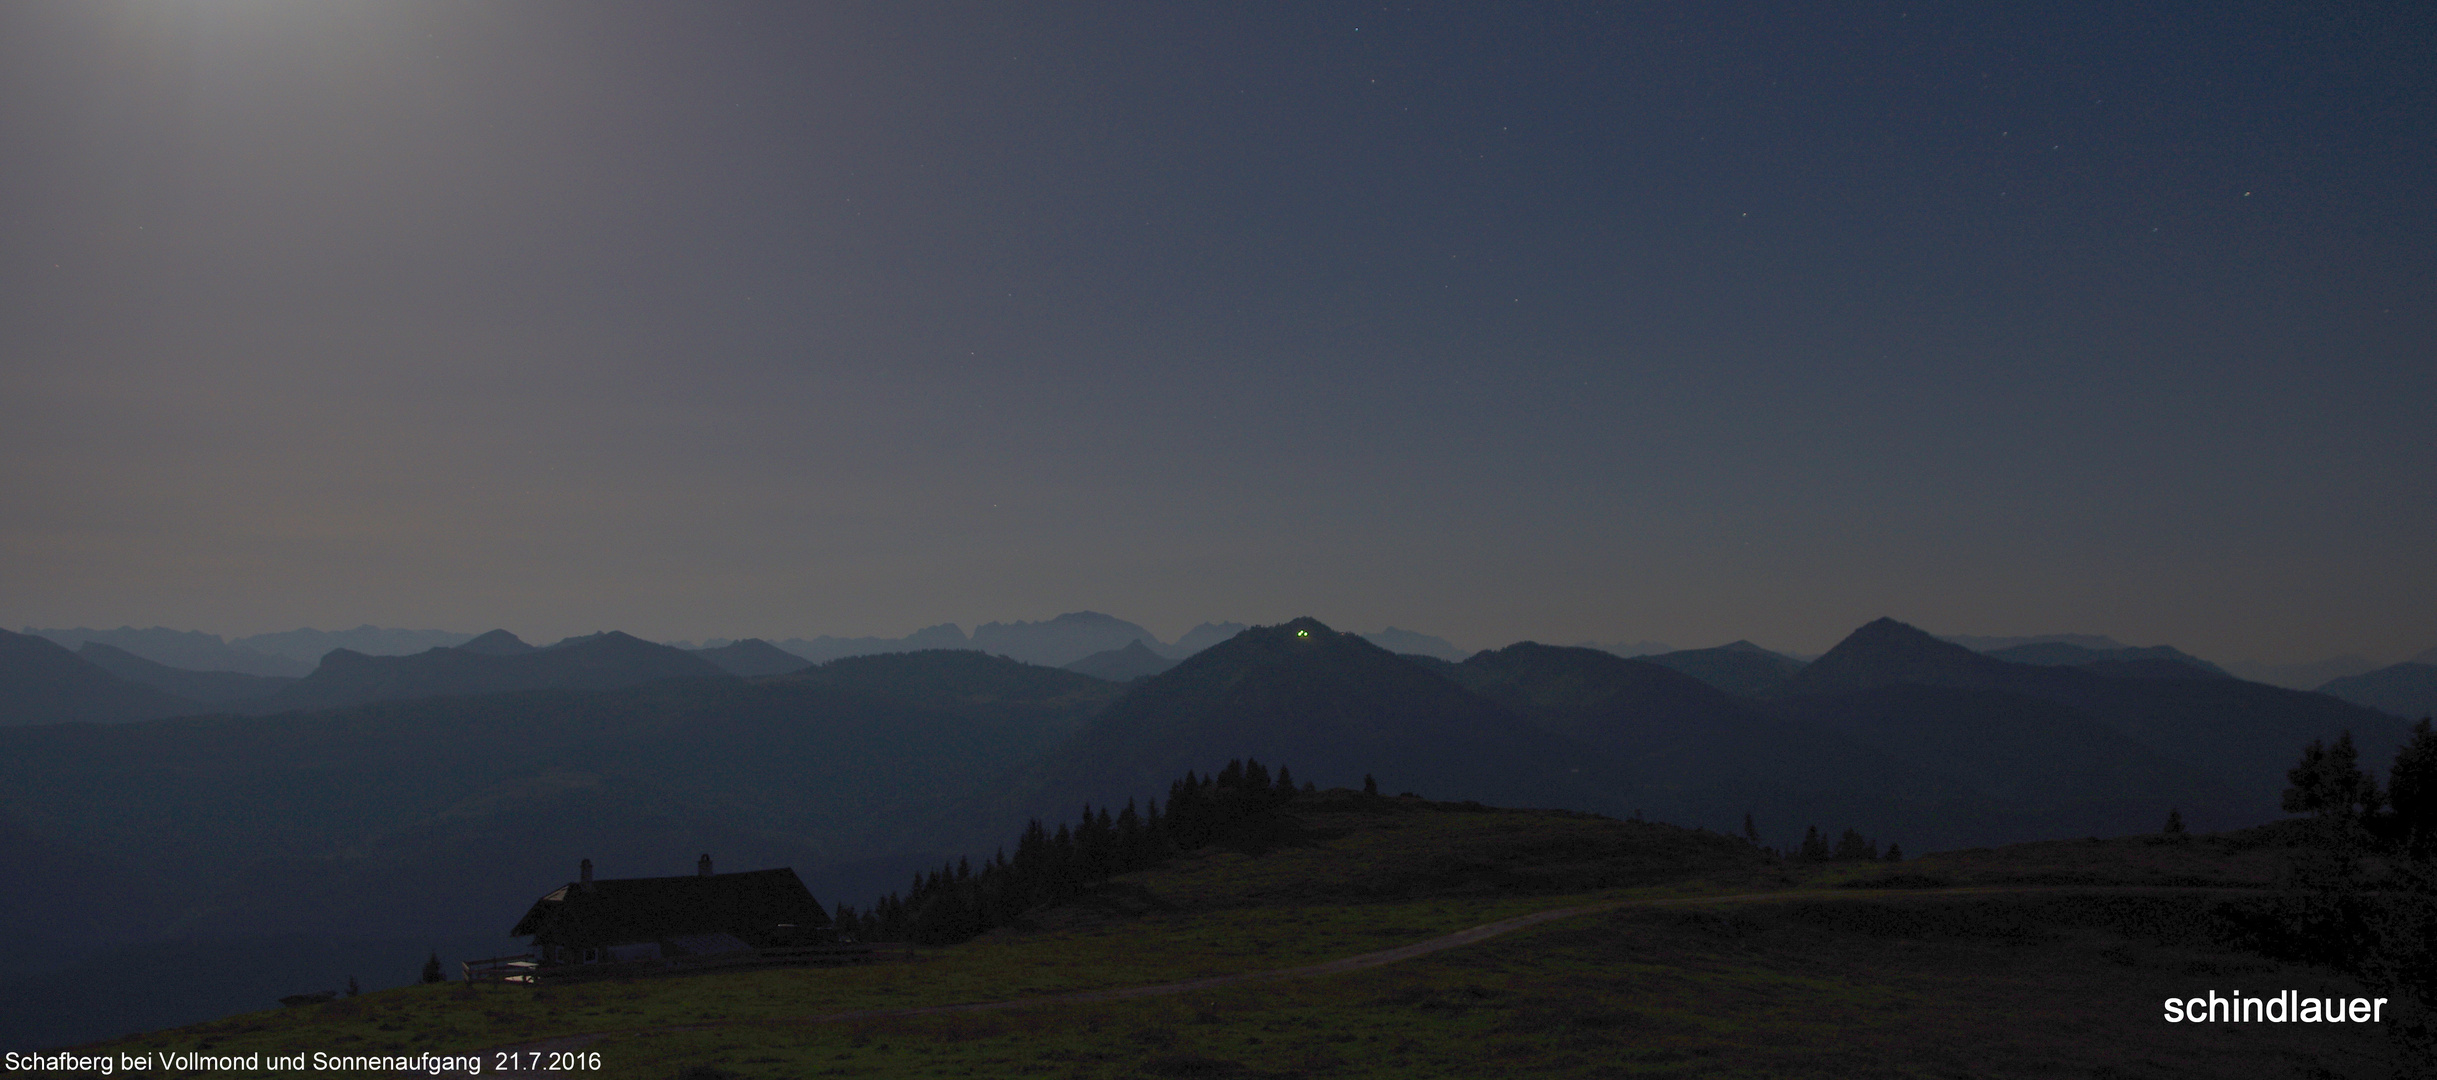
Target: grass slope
{"points": [[1718, 962]]}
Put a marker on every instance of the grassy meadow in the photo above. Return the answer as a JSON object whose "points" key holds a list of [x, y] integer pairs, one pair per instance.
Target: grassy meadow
{"points": [[2041, 960]]}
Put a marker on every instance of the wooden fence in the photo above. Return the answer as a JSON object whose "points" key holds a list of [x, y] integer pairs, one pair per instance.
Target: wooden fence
{"points": [[525, 967]]}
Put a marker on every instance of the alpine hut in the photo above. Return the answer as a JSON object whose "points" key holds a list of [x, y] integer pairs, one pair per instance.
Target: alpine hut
{"points": [[619, 920]]}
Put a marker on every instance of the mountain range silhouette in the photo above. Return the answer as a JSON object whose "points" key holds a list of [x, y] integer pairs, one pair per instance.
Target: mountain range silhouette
{"points": [[421, 792]]}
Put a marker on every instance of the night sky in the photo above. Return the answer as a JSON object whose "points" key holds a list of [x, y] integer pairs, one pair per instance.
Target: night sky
{"points": [[1686, 322]]}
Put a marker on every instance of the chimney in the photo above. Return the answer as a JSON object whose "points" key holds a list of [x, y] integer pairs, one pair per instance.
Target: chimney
{"points": [[703, 868], [587, 869]]}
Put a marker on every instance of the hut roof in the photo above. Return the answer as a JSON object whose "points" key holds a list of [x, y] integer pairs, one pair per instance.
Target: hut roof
{"points": [[749, 904]]}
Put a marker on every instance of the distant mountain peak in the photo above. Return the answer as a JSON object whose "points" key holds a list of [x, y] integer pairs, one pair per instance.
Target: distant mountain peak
{"points": [[587, 639], [1059, 641], [603, 661], [1738, 667], [1331, 705], [2153, 662], [1262, 646], [190, 650], [1416, 643], [946, 635], [2407, 689], [1306, 628], [753, 657], [497, 643], [41, 682], [1629, 649], [1885, 652], [208, 687], [306, 645], [1135, 661], [612, 643], [1885, 633], [1071, 619]]}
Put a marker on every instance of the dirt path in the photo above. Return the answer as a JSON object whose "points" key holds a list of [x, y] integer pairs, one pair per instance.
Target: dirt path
{"points": [[1383, 957], [1332, 967]]}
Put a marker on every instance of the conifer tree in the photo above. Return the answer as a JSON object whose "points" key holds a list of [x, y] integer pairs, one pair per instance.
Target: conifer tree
{"points": [[431, 969], [2329, 783], [1063, 866], [1096, 845], [1188, 813], [1156, 844], [946, 916], [1130, 841], [959, 900], [1369, 786], [2411, 786], [1895, 851], [1854, 846], [1814, 846], [2174, 822], [892, 925], [1750, 832]]}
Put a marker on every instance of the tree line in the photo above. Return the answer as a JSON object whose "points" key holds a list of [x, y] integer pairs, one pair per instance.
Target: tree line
{"points": [[1238, 806], [2358, 814], [2362, 895], [1850, 847], [959, 901]]}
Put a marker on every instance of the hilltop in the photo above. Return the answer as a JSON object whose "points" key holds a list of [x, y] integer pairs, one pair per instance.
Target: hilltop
{"points": [[1347, 847]]}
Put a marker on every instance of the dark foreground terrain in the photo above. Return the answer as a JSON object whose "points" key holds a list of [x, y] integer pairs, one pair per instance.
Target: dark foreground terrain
{"points": [[1701, 956]]}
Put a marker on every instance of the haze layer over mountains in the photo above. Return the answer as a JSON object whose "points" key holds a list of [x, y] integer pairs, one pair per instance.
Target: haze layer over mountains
{"points": [[200, 672], [226, 821]]}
